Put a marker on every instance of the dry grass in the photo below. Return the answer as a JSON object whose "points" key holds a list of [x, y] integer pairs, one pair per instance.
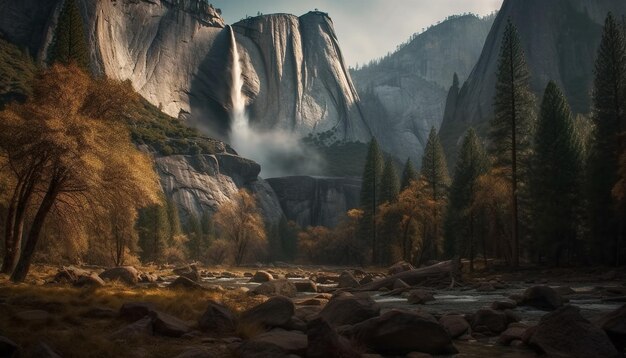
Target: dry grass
{"points": [[73, 335]]}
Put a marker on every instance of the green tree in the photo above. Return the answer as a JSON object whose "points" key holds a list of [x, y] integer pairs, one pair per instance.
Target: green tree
{"points": [[369, 194], [462, 221], [512, 124], [153, 227], [389, 183], [609, 116], [555, 181], [69, 43], [174, 218], [435, 173], [196, 244], [409, 174]]}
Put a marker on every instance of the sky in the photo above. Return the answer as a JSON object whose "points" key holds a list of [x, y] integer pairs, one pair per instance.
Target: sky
{"points": [[367, 29]]}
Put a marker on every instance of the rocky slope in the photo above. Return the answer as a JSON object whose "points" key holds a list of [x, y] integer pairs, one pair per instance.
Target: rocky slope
{"points": [[560, 39], [404, 94]]}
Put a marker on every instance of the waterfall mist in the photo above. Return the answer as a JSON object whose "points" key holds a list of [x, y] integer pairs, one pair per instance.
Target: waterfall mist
{"points": [[279, 152]]}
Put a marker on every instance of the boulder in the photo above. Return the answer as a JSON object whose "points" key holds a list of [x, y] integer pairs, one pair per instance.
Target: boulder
{"points": [[141, 327], [505, 304], [565, 333], [490, 322], [305, 286], [167, 325], [276, 287], [399, 266], [133, 311], [515, 332], [401, 332], [325, 342], [614, 324], [455, 324], [542, 297], [277, 311], [312, 302], [347, 280], [349, 309], [181, 270], [8, 348], [308, 313], [289, 341], [419, 297], [126, 274], [185, 283], [217, 318], [262, 276]]}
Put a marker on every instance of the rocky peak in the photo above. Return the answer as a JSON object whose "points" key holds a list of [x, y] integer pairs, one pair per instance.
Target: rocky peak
{"points": [[204, 11]]}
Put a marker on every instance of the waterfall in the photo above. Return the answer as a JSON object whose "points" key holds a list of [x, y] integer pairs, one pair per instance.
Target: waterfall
{"points": [[240, 130]]}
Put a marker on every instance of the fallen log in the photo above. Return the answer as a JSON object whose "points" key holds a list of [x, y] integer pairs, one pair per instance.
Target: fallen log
{"points": [[444, 270]]}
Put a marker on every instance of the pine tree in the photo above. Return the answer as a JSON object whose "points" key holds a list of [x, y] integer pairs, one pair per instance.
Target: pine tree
{"points": [[609, 116], [435, 173], [461, 220], [511, 127], [370, 188], [69, 43], [173, 218], [409, 174], [555, 181], [195, 245], [153, 228], [389, 183]]}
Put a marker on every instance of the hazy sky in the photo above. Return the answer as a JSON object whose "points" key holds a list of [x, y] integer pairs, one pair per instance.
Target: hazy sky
{"points": [[366, 29]]}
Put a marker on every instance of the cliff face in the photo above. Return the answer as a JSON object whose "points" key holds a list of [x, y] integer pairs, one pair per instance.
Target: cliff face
{"points": [[404, 94], [560, 40], [316, 201]]}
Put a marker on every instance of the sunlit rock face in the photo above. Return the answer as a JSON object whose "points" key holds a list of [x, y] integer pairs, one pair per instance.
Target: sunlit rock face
{"points": [[316, 201], [404, 94], [560, 39]]}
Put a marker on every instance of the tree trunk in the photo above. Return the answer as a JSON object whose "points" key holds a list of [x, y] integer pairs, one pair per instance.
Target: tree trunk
{"points": [[23, 264], [10, 253]]}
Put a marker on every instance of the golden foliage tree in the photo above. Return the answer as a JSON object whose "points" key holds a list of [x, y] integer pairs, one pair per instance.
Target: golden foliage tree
{"points": [[240, 222], [69, 154]]}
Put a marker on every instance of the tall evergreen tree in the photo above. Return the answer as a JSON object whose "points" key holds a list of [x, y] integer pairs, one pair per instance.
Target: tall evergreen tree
{"points": [[173, 218], [69, 43], [609, 116], [409, 174], [369, 194], [389, 183], [555, 181], [196, 244], [153, 228], [512, 124], [461, 220], [435, 173]]}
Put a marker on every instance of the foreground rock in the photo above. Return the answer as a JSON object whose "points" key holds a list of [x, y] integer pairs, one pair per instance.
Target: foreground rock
{"points": [[147, 318], [276, 287], [217, 318], [490, 322], [347, 280], [262, 276], [402, 332], [275, 312], [542, 297], [289, 341], [325, 342], [455, 324], [126, 274], [186, 283], [139, 328], [565, 333], [349, 309], [614, 324], [168, 325], [400, 266]]}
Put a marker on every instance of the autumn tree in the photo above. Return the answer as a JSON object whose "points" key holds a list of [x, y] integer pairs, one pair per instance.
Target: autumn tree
{"points": [[511, 126], [461, 220], [240, 222], [435, 173], [79, 149], [609, 116], [69, 43], [556, 181]]}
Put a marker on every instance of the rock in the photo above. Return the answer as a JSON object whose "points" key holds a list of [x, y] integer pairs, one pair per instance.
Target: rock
{"points": [[493, 321], [349, 309], [288, 341], [325, 342], [8, 348], [99, 312], [33, 316], [365, 280], [347, 280], [185, 283], [167, 325], [419, 297], [565, 333], [276, 287], [145, 277], [275, 312], [126, 274], [132, 311], [262, 276], [141, 327], [513, 333], [312, 302], [399, 284], [503, 305], [197, 352], [305, 286], [401, 332], [455, 324], [217, 318], [542, 297], [308, 313], [42, 350], [614, 324], [91, 280]]}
